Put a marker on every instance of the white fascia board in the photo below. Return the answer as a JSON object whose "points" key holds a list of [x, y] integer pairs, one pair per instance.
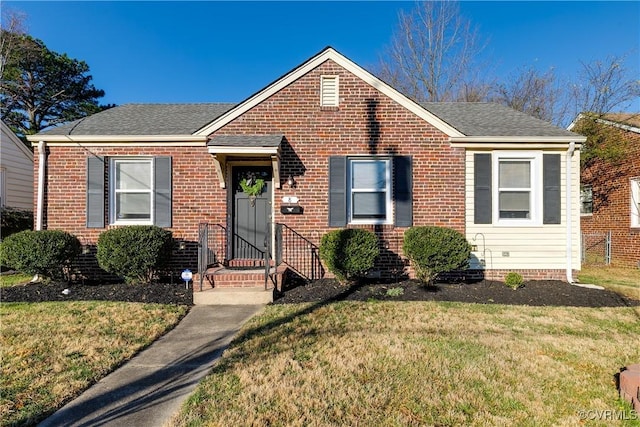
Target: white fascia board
{"points": [[329, 54], [217, 149], [110, 139], [516, 141]]}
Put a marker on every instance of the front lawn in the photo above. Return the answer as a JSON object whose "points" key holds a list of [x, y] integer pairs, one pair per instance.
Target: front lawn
{"points": [[421, 363], [51, 351], [625, 281]]}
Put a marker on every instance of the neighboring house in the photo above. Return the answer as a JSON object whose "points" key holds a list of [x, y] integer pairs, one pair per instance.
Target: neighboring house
{"points": [[336, 147], [610, 194], [16, 171]]}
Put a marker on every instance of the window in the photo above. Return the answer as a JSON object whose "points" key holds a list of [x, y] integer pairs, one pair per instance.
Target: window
{"points": [[586, 200], [635, 202], [329, 91], [132, 190], [517, 179], [369, 191]]}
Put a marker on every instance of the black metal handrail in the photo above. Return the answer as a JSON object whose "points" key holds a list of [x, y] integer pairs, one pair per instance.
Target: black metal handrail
{"points": [[298, 253], [212, 247]]}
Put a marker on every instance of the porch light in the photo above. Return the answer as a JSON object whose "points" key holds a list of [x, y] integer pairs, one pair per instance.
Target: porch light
{"points": [[290, 182], [182, 245]]}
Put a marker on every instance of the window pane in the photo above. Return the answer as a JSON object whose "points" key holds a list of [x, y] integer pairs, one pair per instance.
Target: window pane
{"points": [[586, 200], [514, 204], [369, 205], [133, 175], [133, 206], [515, 174], [370, 175]]}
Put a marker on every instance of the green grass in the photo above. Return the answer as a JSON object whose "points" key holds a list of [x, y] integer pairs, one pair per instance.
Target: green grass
{"points": [[14, 279], [52, 351], [419, 363], [625, 281]]}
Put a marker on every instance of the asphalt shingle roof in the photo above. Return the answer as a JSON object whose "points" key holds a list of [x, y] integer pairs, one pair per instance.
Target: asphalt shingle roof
{"points": [[145, 119], [246, 140], [490, 119], [470, 118]]}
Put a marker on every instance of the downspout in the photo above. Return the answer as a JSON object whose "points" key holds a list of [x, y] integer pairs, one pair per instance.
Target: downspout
{"points": [[42, 161], [568, 210]]}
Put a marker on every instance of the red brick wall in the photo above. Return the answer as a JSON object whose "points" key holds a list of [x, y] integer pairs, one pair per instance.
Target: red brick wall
{"points": [[610, 182], [366, 122]]}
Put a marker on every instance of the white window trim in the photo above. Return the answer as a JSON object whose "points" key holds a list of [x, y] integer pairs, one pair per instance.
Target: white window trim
{"points": [[634, 202], [536, 188], [336, 98], [112, 191], [388, 191]]}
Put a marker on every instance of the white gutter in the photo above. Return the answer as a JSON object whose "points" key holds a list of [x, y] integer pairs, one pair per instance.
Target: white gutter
{"points": [[42, 162], [568, 210]]}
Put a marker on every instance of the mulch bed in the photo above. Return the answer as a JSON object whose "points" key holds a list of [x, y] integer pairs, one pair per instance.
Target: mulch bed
{"points": [[534, 293]]}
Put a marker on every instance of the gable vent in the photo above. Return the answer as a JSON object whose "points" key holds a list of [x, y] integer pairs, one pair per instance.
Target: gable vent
{"points": [[329, 91]]}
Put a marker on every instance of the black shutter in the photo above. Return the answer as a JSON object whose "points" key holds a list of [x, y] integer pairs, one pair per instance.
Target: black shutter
{"points": [[403, 186], [162, 195], [482, 188], [551, 188], [95, 192], [337, 191]]}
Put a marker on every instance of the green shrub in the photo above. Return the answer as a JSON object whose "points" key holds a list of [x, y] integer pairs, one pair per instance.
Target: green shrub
{"points": [[13, 220], [513, 280], [134, 253], [349, 253], [48, 253], [434, 250]]}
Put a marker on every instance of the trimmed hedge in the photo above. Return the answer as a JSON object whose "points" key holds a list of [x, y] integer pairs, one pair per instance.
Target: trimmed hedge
{"points": [[349, 253], [135, 253], [434, 250], [13, 220], [48, 253]]}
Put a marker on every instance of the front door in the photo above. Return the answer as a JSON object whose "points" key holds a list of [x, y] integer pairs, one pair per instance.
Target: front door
{"points": [[251, 211]]}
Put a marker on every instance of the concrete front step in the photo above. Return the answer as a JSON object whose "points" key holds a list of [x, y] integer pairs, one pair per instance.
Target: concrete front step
{"points": [[233, 296]]}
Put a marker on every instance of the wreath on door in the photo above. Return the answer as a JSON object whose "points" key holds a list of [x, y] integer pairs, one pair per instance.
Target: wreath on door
{"points": [[252, 186]]}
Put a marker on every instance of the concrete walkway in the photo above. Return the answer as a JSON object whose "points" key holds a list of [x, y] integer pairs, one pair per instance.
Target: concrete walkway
{"points": [[150, 388]]}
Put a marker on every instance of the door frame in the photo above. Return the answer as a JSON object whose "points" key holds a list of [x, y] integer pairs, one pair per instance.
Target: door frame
{"points": [[231, 164]]}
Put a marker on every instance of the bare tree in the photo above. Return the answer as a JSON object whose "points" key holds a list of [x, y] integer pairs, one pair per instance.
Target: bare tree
{"points": [[432, 54], [12, 25], [539, 94], [604, 86]]}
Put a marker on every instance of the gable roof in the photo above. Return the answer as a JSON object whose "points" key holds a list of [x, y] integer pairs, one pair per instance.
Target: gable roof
{"points": [[8, 135], [462, 122], [328, 54]]}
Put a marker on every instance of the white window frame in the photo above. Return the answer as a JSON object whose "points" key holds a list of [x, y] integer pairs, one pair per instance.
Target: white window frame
{"points": [[635, 202], [388, 190], [535, 199], [113, 191], [583, 189], [335, 100]]}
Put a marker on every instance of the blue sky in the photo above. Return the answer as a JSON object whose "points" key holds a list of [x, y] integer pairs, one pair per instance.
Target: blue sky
{"points": [[210, 51]]}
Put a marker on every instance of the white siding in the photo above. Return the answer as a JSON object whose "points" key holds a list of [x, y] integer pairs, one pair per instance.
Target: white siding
{"points": [[16, 160], [535, 247]]}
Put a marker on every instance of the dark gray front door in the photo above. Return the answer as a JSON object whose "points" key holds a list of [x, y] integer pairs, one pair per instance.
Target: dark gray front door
{"points": [[251, 214]]}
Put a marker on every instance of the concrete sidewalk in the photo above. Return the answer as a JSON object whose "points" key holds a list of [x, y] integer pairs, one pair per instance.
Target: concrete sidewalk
{"points": [[149, 389]]}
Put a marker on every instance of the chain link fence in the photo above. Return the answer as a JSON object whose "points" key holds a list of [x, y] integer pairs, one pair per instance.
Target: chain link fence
{"points": [[596, 248]]}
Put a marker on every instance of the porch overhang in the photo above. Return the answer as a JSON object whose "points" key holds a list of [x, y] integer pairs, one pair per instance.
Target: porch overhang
{"points": [[221, 147]]}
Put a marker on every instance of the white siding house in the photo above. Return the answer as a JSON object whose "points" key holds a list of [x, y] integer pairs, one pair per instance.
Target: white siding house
{"points": [[16, 171]]}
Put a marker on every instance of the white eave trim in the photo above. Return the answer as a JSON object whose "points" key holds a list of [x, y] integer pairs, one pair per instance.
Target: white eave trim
{"points": [[516, 141], [329, 54], [118, 139]]}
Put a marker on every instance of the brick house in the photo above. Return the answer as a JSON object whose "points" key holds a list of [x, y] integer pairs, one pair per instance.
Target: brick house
{"points": [[335, 147], [610, 192]]}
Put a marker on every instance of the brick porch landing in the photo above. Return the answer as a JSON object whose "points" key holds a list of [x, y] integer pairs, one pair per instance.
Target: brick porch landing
{"points": [[224, 286]]}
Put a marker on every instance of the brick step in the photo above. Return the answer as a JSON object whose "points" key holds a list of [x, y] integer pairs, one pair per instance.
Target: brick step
{"points": [[223, 277], [245, 262]]}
